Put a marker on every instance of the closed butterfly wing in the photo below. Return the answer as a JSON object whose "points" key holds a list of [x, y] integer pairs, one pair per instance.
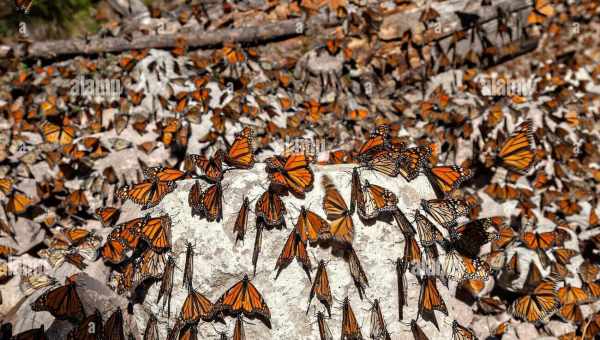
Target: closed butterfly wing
{"points": [[516, 154], [311, 227], [342, 226], [270, 208], [241, 221], [157, 232], [321, 289], [378, 326], [417, 332], [350, 327], [241, 153], [151, 331], [430, 300], [113, 329], [356, 271], [238, 330], [324, 331], [211, 203]]}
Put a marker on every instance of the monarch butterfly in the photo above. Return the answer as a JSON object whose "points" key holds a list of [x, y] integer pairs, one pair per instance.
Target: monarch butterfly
{"points": [[538, 305], [241, 221], [324, 331], [311, 227], [427, 231], [166, 285], [17, 203], [114, 249], [412, 160], [462, 333], [591, 288], [356, 271], [445, 179], [342, 226], [376, 200], [164, 174], [257, 244], [378, 327], [564, 255], [208, 203], [149, 265], [350, 327], [502, 193], [62, 302], [559, 271], [212, 168], [468, 238], [241, 153], [188, 332], [270, 208], [416, 330], [6, 185], [506, 235], [33, 282], [321, 289], [446, 212], [384, 161], [490, 305], [571, 312], [92, 322], [292, 173], [378, 140], [151, 331], [516, 153], [403, 223], [108, 215], [113, 328], [540, 242], [195, 307], [147, 193], [588, 271], [238, 330], [430, 300], [401, 267], [75, 202], [412, 252], [293, 248], [569, 294], [55, 134], [244, 298], [543, 9], [157, 232]]}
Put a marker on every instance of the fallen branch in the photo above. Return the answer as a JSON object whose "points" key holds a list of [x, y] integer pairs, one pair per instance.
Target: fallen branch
{"points": [[52, 49]]}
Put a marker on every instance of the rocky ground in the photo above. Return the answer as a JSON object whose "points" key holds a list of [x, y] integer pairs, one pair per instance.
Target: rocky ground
{"points": [[325, 89]]}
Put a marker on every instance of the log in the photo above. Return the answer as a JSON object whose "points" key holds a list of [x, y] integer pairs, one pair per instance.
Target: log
{"points": [[52, 49]]}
